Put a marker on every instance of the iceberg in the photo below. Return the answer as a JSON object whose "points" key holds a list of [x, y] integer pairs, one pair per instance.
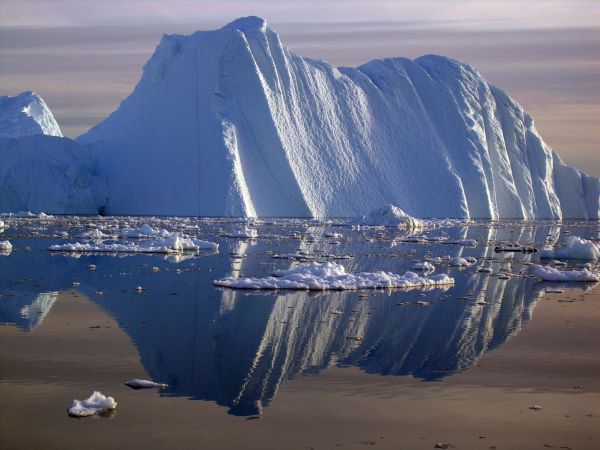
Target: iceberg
{"points": [[230, 122], [26, 114]]}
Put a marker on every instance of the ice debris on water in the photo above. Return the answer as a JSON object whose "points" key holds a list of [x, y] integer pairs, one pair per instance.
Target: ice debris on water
{"points": [[173, 244], [5, 246], [547, 273], [575, 248], [388, 216], [96, 403], [333, 276], [137, 383], [424, 266]]}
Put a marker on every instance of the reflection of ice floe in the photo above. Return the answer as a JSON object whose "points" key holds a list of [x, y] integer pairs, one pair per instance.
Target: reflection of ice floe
{"points": [[174, 244], [575, 248], [39, 309], [333, 276], [24, 312], [547, 273]]}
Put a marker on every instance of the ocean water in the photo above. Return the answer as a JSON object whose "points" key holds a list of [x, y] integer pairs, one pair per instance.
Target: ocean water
{"points": [[237, 348]]}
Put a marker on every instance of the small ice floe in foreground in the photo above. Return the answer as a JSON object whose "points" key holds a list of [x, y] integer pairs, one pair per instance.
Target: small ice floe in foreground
{"points": [[333, 276], [424, 266], [535, 407], [2, 225], [173, 244], [551, 274], [5, 246], [554, 291], [576, 248], [388, 216], [136, 383], [96, 403]]}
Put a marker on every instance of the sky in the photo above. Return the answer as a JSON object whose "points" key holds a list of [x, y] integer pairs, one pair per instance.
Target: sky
{"points": [[85, 56]]}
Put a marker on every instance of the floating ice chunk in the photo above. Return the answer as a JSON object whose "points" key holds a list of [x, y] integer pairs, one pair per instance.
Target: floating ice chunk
{"points": [[145, 231], [424, 266], [242, 233], [334, 235], [173, 244], [576, 248], [96, 403], [331, 275], [388, 216], [551, 274], [2, 225], [136, 383], [467, 242], [514, 248], [95, 235], [5, 246], [463, 262]]}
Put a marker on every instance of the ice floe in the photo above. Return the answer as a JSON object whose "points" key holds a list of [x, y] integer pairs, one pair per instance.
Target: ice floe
{"points": [[575, 248], [96, 403], [144, 231], [547, 273], [388, 216], [137, 383], [173, 244], [5, 246], [333, 276]]}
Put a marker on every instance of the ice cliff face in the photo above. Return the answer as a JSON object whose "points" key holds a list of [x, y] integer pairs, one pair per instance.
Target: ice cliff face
{"points": [[26, 114], [230, 122], [51, 174]]}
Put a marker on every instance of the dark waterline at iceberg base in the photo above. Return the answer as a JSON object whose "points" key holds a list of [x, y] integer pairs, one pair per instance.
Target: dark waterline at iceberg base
{"points": [[236, 348]]}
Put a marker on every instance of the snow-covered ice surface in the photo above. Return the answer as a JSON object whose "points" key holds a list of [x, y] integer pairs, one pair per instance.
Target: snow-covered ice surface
{"points": [[26, 114], [247, 344], [332, 276], [96, 403], [230, 122], [552, 274], [575, 248], [51, 174]]}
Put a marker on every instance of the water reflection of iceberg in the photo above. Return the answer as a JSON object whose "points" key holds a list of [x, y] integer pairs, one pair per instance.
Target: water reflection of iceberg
{"points": [[26, 313]]}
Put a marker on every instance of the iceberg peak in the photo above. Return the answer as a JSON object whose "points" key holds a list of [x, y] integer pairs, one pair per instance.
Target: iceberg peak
{"points": [[250, 23], [26, 114]]}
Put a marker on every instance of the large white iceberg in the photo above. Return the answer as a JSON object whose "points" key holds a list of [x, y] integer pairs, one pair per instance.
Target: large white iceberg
{"points": [[333, 276], [231, 122], [26, 114]]}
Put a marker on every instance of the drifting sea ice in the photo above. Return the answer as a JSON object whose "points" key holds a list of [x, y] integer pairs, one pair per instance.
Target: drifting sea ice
{"points": [[551, 274], [333, 276], [96, 403], [242, 233], [5, 246], [424, 266], [576, 248], [388, 216], [145, 231], [136, 383], [173, 244]]}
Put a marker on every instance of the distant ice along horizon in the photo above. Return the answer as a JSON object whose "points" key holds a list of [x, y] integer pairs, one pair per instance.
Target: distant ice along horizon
{"points": [[229, 122]]}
